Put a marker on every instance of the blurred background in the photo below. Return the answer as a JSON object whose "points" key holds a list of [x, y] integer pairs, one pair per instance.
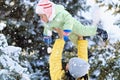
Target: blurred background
{"points": [[21, 32]]}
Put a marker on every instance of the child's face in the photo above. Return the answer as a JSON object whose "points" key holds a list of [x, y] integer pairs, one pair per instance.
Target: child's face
{"points": [[43, 17]]}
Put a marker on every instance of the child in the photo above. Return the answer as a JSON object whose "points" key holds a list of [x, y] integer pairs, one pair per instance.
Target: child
{"points": [[55, 17]]}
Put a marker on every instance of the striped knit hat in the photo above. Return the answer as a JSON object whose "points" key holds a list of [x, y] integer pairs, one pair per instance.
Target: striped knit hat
{"points": [[45, 7]]}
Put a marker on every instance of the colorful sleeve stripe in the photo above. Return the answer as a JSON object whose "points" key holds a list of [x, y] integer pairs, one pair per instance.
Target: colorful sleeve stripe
{"points": [[66, 32]]}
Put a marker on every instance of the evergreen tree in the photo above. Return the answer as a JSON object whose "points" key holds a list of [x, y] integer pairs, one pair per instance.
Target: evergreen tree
{"points": [[24, 29]]}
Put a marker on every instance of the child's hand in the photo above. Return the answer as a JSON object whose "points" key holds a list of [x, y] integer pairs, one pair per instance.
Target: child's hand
{"points": [[66, 38], [66, 34], [47, 40]]}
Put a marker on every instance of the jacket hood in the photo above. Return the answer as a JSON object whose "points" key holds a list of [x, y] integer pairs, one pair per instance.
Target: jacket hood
{"points": [[59, 8], [56, 9]]}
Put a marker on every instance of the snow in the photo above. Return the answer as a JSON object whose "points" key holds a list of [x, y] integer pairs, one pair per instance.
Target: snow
{"points": [[112, 30], [7, 2], [12, 3], [49, 50], [2, 25], [28, 2], [108, 19]]}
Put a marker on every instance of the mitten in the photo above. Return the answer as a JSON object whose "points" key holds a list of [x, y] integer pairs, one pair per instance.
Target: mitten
{"points": [[47, 40], [66, 34]]}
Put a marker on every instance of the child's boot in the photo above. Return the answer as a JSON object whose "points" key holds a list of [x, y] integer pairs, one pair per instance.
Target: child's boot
{"points": [[102, 33]]}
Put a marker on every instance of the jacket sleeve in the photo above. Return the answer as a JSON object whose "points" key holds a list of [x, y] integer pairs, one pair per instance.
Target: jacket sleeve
{"points": [[83, 49], [56, 72], [80, 29], [68, 20], [47, 30]]}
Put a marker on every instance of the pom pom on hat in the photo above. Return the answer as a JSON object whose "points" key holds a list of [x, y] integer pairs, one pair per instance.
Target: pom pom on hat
{"points": [[44, 7], [78, 67]]}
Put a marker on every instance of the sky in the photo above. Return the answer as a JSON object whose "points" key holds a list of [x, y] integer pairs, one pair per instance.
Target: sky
{"points": [[108, 19]]}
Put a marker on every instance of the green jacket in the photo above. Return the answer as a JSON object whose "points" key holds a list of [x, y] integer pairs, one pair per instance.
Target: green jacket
{"points": [[64, 20]]}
